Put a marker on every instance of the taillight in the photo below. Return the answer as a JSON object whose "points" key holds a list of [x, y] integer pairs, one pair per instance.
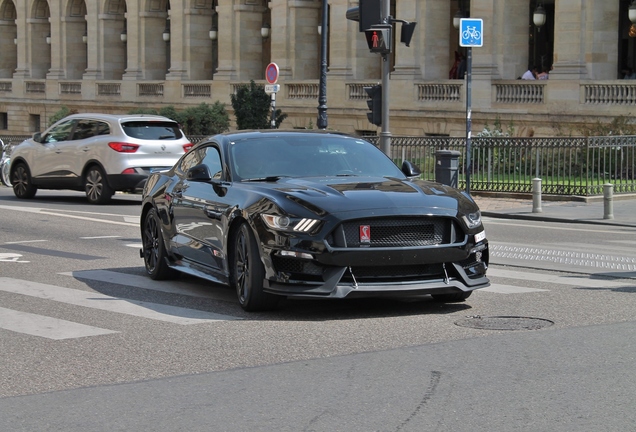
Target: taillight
{"points": [[187, 147], [123, 147], [129, 171]]}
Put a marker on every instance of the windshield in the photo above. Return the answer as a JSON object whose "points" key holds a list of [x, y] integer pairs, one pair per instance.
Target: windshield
{"points": [[311, 155], [152, 130]]}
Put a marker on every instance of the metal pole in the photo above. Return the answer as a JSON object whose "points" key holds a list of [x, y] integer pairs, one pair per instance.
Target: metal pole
{"points": [[322, 95], [385, 135], [469, 75], [273, 122]]}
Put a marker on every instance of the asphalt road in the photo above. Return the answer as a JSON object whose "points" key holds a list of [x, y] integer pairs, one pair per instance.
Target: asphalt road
{"points": [[88, 343]]}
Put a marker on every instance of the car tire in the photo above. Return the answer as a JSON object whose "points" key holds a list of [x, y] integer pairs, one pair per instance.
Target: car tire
{"points": [[98, 191], [21, 182], [154, 250], [452, 298], [248, 272]]}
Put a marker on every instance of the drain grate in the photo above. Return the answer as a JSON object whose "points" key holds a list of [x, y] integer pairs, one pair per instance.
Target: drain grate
{"points": [[504, 323]]}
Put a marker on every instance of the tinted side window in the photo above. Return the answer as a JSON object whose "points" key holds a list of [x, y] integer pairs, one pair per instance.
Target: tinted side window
{"points": [[152, 130], [61, 132], [213, 160]]}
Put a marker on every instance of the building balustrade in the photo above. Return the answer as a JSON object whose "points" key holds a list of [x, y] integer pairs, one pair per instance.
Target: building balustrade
{"points": [[150, 89], [36, 86], [611, 93], [519, 92], [197, 90], [71, 88], [108, 89], [6, 86], [441, 92], [307, 90]]}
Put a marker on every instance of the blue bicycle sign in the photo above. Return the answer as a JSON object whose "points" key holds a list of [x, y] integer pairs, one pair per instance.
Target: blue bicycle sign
{"points": [[471, 32]]}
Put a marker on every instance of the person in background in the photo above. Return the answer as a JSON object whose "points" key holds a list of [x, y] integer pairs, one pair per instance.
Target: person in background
{"points": [[530, 74]]}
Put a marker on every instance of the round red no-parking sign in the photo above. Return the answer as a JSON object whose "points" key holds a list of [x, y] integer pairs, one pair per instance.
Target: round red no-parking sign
{"points": [[271, 73]]}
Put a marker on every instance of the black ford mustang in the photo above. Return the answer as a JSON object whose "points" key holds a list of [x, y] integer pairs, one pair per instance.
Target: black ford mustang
{"points": [[310, 214]]}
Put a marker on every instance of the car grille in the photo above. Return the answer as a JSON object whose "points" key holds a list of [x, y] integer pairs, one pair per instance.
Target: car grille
{"points": [[395, 232]]}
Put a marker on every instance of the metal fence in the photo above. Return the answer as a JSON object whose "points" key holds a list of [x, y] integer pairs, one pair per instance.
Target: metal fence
{"points": [[566, 166]]}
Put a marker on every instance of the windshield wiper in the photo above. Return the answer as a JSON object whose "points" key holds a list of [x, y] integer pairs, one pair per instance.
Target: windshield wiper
{"points": [[266, 179]]}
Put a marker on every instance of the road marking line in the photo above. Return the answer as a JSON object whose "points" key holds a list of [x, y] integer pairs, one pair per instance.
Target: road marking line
{"points": [[509, 289], [582, 281], [46, 327], [144, 282], [160, 312], [51, 213], [26, 241], [99, 237], [11, 257]]}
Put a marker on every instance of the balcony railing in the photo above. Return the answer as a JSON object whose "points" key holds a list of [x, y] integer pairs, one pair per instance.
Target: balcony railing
{"points": [[197, 90], [440, 92], [301, 90], [36, 86], [150, 89], [519, 92], [610, 93], [108, 89], [71, 88]]}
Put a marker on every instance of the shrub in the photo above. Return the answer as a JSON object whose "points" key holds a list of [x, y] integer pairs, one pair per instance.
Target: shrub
{"points": [[252, 108]]}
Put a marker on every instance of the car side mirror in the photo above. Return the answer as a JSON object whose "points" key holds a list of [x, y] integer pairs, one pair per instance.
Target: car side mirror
{"points": [[410, 170], [37, 137], [200, 173]]}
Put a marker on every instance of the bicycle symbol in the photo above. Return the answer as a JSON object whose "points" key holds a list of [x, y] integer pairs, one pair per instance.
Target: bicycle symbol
{"points": [[471, 33]]}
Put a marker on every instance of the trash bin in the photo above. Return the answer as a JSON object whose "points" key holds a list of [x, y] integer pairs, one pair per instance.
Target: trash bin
{"points": [[447, 167]]}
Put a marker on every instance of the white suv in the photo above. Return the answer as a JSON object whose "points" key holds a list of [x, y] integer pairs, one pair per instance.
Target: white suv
{"points": [[97, 153]]}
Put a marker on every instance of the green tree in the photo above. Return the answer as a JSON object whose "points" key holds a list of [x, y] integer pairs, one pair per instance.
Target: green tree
{"points": [[60, 114], [252, 107]]}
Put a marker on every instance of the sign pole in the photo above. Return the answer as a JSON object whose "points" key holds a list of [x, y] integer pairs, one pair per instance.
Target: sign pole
{"points": [[469, 87], [471, 32], [271, 75], [385, 135]]}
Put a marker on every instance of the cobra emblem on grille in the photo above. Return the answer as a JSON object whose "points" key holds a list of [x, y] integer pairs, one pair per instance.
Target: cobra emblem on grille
{"points": [[365, 234]]}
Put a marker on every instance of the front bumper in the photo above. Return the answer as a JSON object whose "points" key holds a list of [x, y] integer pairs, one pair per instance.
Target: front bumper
{"points": [[400, 274]]}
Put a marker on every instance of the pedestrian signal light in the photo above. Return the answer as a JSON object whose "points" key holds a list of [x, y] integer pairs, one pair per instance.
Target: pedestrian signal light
{"points": [[379, 39]]}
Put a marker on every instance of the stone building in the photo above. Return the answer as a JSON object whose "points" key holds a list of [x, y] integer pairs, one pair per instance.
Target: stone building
{"points": [[116, 55]]}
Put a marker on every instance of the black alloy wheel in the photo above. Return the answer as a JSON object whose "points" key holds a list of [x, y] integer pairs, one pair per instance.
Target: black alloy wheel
{"points": [[153, 249], [21, 182], [248, 272], [98, 191]]}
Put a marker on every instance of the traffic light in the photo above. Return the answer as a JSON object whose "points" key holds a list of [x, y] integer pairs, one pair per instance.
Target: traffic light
{"points": [[368, 13], [379, 38], [375, 104]]}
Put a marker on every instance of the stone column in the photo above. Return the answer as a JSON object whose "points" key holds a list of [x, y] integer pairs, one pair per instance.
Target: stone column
{"points": [[134, 45], [349, 54], [155, 51], [570, 26], [194, 60], [9, 57], [111, 58], [304, 40], [56, 67], [240, 40], [74, 50], [38, 51]]}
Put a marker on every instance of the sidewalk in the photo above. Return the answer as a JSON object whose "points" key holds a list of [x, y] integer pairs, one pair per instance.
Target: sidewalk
{"points": [[580, 211]]}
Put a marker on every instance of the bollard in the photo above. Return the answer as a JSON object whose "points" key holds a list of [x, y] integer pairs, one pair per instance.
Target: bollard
{"points": [[447, 167], [608, 201], [536, 195]]}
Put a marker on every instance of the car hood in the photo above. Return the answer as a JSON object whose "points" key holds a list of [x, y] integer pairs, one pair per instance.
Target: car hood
{"points": [[386, 195]]}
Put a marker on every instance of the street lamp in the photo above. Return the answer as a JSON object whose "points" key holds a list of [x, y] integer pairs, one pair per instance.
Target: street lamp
{"points": [[265, 30], [632, 12], [538, 17], [457, 18], [124, 35], [48, 39], [214, 33], [322, 90], [166, 32]]}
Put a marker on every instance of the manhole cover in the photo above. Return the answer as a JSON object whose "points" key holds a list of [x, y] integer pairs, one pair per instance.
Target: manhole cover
{"points": [[504, 323]]}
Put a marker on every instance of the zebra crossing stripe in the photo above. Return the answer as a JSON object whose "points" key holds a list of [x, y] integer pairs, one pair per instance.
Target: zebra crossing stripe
{"points": [[155, 311], [46, 327]]}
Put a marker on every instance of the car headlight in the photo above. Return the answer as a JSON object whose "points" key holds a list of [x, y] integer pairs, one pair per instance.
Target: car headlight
{"points": [[473, 220], [285, 223]]}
